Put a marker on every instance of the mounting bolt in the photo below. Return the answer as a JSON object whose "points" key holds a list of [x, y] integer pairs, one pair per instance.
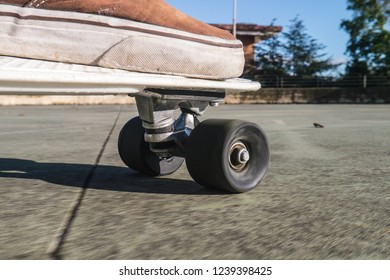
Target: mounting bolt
{"points": [[244, 156]]}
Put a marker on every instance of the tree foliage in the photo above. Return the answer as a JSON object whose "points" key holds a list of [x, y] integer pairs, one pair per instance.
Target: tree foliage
{"points": [[304, 53], [293, 53], [270, 58], [369, 43]]}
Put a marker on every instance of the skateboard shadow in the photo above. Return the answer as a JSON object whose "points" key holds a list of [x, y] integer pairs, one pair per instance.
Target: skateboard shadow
{"points": [[102, 177]]}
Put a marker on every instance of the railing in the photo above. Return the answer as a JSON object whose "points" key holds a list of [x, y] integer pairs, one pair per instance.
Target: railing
{"points": [[365, 81]]}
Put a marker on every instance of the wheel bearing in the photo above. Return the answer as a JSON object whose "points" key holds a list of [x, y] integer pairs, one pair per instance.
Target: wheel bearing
{"points": [[238, 156]]}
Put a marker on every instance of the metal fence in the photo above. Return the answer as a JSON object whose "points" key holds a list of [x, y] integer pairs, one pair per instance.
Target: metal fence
{"points": [[365, 81]]}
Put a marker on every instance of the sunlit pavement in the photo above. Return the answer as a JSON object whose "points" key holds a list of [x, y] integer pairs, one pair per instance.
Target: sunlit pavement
{"points": [[65, 193]]}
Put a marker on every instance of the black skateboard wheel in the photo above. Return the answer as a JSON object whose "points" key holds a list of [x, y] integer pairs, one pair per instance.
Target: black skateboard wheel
{"points": [[136, 154], [231, 155]]}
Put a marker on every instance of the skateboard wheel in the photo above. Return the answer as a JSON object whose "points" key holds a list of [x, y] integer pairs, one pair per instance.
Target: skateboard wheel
{"points": [[136, 154], [231, 155]]}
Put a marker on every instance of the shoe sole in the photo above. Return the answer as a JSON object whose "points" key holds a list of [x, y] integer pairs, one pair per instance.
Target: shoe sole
{"points": [[109, 42]]}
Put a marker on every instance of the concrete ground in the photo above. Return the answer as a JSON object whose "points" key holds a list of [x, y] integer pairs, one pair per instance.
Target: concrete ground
{"points": [[65, 194]]}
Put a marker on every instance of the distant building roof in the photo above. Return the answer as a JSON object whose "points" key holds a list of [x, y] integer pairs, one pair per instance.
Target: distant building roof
{"points": [[263, 31], [250, 35]]}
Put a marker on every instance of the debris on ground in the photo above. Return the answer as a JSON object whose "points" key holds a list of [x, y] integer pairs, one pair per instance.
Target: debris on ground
{"points": [[317, 125]]}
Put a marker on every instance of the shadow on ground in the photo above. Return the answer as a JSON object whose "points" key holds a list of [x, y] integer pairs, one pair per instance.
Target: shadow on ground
{"points": [[103, 177]]}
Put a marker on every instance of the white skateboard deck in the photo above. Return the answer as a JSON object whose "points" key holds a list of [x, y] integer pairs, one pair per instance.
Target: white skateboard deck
{"points": [[19, 76]]}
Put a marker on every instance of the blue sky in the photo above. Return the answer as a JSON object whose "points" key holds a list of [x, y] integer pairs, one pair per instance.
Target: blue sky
{"points": [[321, 17]]}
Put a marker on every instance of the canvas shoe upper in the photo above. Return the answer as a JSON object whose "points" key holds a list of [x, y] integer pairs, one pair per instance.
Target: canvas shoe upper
{"points": [[137, 35]]}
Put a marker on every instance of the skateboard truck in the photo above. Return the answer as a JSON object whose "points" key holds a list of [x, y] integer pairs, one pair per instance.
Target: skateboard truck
{"points": [[166, 135]]}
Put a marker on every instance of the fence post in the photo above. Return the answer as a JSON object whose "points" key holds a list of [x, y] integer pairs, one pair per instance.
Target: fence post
{"points": [[364, 81]]}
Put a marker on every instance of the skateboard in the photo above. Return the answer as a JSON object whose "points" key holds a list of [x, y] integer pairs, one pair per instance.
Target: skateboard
{"points": [[231, 155]]}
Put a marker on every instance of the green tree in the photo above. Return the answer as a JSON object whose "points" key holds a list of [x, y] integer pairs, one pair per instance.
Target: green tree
{"points": [[304, 55], [270, 56], [369, 43], [293, 53]]}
